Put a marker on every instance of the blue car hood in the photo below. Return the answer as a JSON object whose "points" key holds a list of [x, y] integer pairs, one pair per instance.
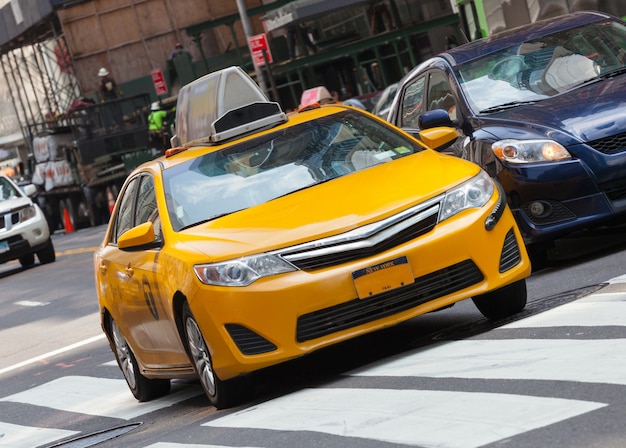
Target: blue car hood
{"points": [[581, 115]]}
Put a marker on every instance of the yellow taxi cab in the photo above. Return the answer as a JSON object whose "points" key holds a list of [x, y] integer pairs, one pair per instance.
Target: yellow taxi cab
{"points": [[261, 237]]}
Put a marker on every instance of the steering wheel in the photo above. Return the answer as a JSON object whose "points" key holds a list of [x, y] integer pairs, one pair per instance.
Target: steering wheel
{"points": [[507, 69]]}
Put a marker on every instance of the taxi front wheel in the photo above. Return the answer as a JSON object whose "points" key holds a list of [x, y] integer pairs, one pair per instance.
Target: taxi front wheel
{"points": [[221, 394], [144, 389], [503, 302]]}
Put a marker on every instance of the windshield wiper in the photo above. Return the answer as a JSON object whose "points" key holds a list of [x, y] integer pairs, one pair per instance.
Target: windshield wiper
{"points": [[204, 221], [613, 73], [505, 106]]}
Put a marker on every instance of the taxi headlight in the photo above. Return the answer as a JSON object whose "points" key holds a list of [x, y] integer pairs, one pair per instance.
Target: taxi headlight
{"points": [[529, 151], [242, 271], [472, 194], [28, 213]]}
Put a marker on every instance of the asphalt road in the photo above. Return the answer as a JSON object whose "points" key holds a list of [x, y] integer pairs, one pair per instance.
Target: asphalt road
{"points": [[551, 377]]}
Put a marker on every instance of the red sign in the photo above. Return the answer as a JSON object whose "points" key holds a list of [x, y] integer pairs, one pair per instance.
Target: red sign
{"points": [[159, 82], [258, 43]]}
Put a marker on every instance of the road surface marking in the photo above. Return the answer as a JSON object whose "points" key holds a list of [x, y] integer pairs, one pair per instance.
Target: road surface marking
{"points": [[18, 436], [597, 310], [413, 417], [102, 397], [187, 445], [81, 250], [52, 353], [587, 361], [31, 303]]}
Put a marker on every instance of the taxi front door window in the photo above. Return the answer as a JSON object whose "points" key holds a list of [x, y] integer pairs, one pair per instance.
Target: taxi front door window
{"points": [[124, 218]]}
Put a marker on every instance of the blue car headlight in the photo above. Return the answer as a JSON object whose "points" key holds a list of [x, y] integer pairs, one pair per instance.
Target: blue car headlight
{"points": [[471, 194], [529, 151], [242, 271]]}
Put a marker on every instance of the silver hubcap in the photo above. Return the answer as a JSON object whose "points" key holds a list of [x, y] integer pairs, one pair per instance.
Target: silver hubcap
{"points": [[200, 355], [123, 355]]}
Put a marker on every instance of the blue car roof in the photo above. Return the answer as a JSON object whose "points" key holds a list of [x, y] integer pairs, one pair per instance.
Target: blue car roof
{"points": [[516, 36]]}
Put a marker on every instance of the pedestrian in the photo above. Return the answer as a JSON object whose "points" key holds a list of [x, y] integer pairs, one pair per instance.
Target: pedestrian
{"points": [[156, 123], [107, 87], [178, 51]]}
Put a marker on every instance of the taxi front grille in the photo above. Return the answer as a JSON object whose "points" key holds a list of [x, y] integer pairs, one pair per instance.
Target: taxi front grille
{"points": [[360, 311], [367, 240], [335, 258]]}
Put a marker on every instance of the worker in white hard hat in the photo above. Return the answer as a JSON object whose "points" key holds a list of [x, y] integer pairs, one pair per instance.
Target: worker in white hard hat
{"points": [[107, 87], [156, 126]]}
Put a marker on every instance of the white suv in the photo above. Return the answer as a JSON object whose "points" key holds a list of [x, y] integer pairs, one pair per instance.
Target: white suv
{"points": [[24, 230]]}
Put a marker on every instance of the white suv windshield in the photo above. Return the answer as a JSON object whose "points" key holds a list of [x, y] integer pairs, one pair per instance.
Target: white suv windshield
{"points": [[7, 190]]}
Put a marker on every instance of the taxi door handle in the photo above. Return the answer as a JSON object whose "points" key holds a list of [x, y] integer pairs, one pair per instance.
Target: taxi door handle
{"points": [[103, 268], [130, 271]]}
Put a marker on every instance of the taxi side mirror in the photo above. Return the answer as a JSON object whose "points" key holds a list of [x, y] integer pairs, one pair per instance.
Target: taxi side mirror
{"points": [[439, 138], [138, 238]]}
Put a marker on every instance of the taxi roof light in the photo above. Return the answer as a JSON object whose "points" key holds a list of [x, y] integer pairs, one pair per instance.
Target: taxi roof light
{"points": [[314, 97], [222, 105]]}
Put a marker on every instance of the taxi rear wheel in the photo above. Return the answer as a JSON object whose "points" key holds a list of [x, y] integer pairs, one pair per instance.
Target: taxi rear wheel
{"points": [[503, 302], [221, 394], [144, 389]]}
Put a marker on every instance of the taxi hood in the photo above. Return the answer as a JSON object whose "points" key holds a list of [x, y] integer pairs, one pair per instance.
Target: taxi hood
{"points": [[330, 208]]}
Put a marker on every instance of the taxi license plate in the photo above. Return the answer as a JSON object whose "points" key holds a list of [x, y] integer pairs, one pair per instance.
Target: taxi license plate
{"points": [[4, 246], [382, 277]]}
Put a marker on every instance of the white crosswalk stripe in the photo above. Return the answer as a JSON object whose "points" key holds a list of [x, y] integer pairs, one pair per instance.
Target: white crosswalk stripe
{"points": [[588, 361], [19, 436], [601, 309], [95, 396], [412, 417]]}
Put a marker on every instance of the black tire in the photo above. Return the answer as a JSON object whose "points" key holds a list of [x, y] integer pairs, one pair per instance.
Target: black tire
{"points": [[143, 389], [27, 260], [503, 302], [221, 394], [47, 254]]}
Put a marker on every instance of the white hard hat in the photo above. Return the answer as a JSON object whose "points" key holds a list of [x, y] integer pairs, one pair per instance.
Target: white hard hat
{"points": [[155, 106], [103, 72]]}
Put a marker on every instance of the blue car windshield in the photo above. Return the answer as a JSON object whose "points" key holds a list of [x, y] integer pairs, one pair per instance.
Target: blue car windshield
{"points": [[544, 67], [244, 175]]}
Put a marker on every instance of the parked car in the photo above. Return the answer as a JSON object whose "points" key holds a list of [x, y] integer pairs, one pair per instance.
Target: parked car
{"points": [[261, 237], [383, 105], [24, 230], [541, 109]]}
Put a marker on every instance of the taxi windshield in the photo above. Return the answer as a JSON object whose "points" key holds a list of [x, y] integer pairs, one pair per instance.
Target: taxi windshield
{"points": [[544, 67], [273, 165]]}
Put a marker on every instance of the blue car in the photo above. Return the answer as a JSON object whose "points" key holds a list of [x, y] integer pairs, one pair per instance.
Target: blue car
{"points": [[542, 108]]}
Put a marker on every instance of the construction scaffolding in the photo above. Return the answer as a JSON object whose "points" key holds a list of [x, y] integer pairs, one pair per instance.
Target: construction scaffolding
{"points": [[39, 75]]}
